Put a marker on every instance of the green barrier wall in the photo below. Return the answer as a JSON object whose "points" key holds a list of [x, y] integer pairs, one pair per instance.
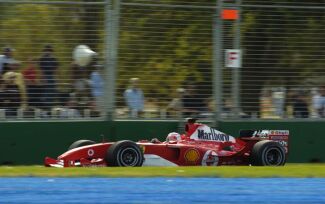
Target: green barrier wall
{"points": [[29, 142]]}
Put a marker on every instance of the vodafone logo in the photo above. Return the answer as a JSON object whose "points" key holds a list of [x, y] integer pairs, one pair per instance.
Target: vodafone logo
{"points": [[91, 152]]}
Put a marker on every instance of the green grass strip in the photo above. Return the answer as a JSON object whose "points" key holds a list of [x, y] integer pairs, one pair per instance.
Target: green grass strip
{"points": [[288, 171]]}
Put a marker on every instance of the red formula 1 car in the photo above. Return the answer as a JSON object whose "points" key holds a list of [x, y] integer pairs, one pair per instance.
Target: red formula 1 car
{"points": [[200, 146]]}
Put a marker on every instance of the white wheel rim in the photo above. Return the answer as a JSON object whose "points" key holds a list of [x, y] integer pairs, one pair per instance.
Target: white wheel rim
{"points": [[128, 157], [272, 156]]}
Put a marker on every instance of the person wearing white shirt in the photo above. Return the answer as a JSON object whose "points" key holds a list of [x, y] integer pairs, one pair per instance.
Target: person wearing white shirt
{"points": [[5, 58], [134, 98], [97, 87], [316, 102]]}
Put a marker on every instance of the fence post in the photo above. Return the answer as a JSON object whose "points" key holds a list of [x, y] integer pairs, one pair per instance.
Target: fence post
{"points": [[217, 61], [112, 8], [236, 71]]}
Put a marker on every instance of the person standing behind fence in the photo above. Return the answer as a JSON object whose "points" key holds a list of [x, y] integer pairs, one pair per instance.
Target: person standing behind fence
{"points": [[5, 58], [193, 104], [97, 86], [300, 105], [48, 65], [175, 107], [320, 103], [134, 98], [80, 97], [11, 94], [12, 68], [33, 88]]}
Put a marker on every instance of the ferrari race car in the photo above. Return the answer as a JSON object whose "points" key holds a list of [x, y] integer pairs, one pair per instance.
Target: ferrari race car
{"points": [[199, 146]]}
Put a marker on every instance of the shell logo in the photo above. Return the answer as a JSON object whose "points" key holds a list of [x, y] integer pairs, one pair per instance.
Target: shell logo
{"points": [[192, 155]]}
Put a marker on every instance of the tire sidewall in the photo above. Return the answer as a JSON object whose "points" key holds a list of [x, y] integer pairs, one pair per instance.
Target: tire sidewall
{"points": [[262, 148], [115, 153]]}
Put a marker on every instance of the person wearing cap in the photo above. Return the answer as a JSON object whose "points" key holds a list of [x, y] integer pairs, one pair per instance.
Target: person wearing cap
{"points": [[5, 58], [134, 98], [48, 65]]}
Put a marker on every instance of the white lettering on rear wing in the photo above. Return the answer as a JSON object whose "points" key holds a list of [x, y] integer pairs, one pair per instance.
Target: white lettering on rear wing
{"points": [[204, 132], [267, 133]]}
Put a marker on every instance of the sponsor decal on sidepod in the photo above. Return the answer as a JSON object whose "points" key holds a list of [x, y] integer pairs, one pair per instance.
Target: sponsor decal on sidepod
{"points": [[191, 156], [91, 152]]}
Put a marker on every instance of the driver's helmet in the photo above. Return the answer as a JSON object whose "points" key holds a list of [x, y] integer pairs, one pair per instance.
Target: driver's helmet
{"points": [[173, 137]]}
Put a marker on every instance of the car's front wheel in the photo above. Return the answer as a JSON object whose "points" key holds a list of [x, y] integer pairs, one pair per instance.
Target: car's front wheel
{"points": [[268, 153], [124, 153], [81, 143]]}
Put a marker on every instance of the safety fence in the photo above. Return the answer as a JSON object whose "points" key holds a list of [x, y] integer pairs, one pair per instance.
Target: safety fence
{"points": [[166, 50], [182, 54], [283, 66], [52, 59], [168, 59]]}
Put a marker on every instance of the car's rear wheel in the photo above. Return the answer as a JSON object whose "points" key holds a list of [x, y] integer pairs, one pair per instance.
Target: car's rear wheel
{"points": [[81, 143], [268, 153], [124, 153]]}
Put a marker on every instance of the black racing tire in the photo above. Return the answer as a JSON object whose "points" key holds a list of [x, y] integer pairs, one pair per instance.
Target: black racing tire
{"points": [[268, 153], [80, 143], [124, 153]]}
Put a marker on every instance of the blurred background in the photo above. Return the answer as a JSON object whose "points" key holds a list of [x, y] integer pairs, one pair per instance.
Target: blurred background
{"points": [[167, 59]]}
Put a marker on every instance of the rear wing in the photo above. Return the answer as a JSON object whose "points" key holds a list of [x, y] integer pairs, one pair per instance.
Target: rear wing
{"points": [[280, 136], [198, 131]]}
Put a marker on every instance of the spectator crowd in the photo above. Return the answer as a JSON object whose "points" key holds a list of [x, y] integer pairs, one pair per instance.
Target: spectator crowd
{"points": [[294, 103], [31, 89]]}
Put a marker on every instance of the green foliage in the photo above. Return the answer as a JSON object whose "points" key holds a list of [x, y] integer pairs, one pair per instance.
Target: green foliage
{"points": [[285, 49], [172, 46], [28, 27]]}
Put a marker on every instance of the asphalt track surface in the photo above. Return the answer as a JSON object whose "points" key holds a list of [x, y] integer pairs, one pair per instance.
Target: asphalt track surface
{"points": [[162, 190]]}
